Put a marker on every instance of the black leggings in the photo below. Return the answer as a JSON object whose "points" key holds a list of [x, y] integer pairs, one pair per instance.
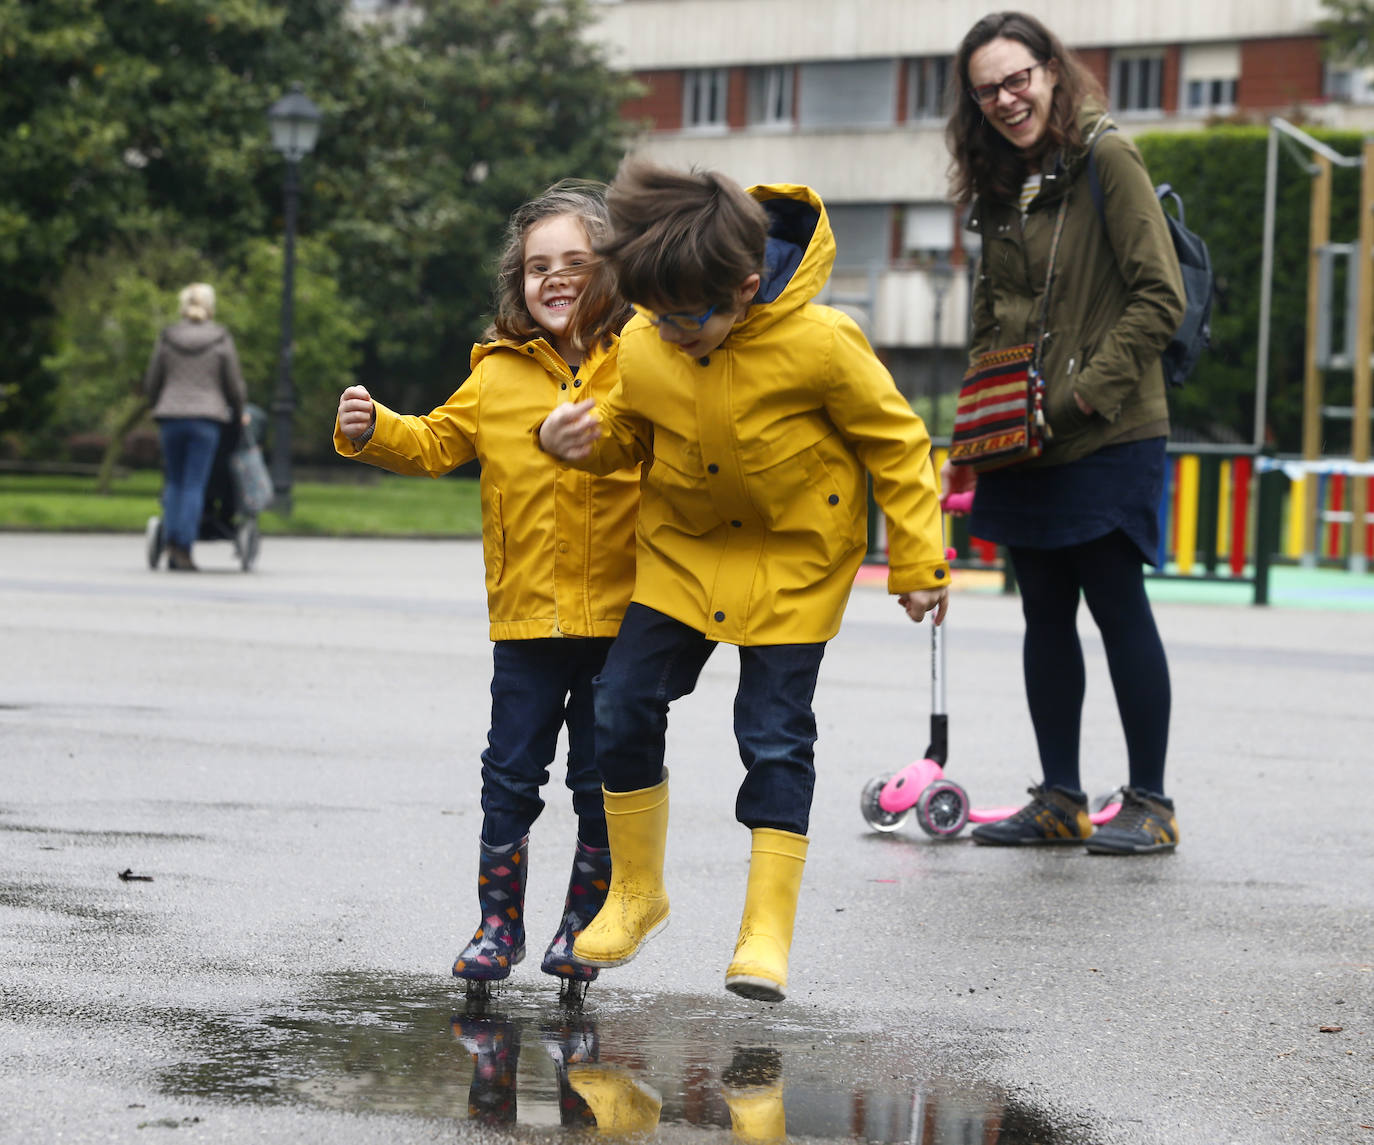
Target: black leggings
{"points": [[1108, 573]]}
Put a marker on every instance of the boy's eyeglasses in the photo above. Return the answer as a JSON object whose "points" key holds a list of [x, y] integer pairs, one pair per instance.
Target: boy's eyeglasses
{"points": [[687, 323], [1017, 82]]}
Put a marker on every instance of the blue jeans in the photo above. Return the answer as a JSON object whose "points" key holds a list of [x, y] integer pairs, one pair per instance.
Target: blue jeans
{"points": [[537, 687], [188, 453], [656, 659]]}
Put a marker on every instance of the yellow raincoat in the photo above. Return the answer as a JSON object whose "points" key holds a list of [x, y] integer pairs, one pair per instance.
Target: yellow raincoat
{"points": [[754, 515], [558, 543]]}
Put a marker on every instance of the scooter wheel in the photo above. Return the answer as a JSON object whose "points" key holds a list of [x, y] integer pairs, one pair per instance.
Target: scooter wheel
{"points": [[1100, 802], [942, 809], [873, 812]]}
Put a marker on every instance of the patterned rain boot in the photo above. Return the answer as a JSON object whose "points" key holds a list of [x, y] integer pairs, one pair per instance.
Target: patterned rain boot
{"points": [[759, 968], [591, 877], [500, 940], [571, 1043], [494, 1044], [752, 1088], [636, 906]]}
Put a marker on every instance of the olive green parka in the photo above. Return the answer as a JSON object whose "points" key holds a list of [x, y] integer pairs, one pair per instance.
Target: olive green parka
{"points": [[558, 542], [754, 516], [1116, 300]]}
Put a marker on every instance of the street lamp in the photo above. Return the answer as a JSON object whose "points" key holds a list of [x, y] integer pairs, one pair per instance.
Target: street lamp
{"points": [[295, 124], [941, 274]]}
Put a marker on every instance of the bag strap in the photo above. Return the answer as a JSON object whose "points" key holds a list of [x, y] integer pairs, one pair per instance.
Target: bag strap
{"points": [[1049, 284]]}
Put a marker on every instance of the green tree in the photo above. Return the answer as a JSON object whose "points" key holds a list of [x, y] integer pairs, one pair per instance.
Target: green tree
{"points": [[457, 119], [1349, 30], [123, 120]]}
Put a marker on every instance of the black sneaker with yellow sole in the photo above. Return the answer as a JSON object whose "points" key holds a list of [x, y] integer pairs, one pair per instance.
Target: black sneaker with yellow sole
{"points": [[1053, 816], [1145, 825]]}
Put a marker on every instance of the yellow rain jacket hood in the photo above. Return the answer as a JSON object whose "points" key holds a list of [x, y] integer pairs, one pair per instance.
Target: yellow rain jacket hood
{"points": [[558, 543], [754, 515]]}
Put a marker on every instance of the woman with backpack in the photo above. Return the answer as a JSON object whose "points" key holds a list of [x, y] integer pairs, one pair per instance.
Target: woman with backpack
{"points": [[1080, 519]]}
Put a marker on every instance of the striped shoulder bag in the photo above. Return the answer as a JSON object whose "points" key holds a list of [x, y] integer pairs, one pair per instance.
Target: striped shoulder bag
{"points": [[1000, 418]]}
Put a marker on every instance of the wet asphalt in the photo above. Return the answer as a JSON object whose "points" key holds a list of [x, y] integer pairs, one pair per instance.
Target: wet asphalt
{"points": [[285, 764]]}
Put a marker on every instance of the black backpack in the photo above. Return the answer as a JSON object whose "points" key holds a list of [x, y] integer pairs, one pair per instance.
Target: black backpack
{"points": [[1194, 333]]}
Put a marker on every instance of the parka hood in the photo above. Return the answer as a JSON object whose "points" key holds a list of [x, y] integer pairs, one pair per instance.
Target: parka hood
{"points": [[799, 256], [194, 337]]}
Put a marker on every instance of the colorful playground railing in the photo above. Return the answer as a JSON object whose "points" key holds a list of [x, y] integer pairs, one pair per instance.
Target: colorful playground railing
{"points": [[1227, 513]]}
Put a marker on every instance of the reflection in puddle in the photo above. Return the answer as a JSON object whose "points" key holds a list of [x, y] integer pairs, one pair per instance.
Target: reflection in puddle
{"points": [[623, 1064]]}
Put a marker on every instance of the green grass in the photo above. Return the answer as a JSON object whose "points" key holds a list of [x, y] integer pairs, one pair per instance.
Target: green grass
{"points": [[385, 506]]}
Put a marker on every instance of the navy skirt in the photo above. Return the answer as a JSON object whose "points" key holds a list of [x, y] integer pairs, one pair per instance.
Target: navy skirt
{"points": [[1056, 506]]}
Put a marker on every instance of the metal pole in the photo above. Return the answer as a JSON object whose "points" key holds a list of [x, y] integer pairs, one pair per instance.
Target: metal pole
{"points": [[284, 404], [934, 427], [1319, 234], [1364, 346], [1271, 182]]}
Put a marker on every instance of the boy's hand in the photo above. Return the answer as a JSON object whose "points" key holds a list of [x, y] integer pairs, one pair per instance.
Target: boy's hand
{"points": [[924, 600], [356, 414], [568, 432]]}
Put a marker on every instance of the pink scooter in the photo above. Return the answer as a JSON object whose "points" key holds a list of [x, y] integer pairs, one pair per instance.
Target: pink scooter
{"points": [[942, 806]]}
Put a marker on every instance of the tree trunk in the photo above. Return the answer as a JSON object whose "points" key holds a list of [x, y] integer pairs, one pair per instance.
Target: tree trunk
{"points": [[127, 415]]}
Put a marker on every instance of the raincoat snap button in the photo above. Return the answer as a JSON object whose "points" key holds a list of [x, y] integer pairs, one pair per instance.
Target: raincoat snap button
{"points": [[713, 468], [720, 616], [939, 574], [737, 524], [563, 385], [834, 499], [577, 383]]}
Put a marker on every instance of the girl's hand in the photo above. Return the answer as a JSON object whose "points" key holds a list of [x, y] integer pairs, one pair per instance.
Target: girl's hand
{"points": [[1082, 405], [356, 413], [924, 600], [956, 479], [569, 431]]}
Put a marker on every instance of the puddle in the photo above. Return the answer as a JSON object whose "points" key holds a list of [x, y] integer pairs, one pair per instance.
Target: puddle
{"points": [[623, 1064]]}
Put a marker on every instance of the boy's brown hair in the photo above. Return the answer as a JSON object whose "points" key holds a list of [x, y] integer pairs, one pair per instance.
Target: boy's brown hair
{"points": [[681, 238], [600, 310]]}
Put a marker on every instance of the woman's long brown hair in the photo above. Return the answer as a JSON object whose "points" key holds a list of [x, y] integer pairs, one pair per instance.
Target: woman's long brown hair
{"points": [[983, 161]]}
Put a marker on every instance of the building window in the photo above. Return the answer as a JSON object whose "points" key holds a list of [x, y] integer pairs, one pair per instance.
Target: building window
{"points": [[926, 81], [1211, 95], [863, 235], [770, 95], [1138, 83], [1347, 84], [1210, 72], [704, 92], [861, 93], [927, 231]]}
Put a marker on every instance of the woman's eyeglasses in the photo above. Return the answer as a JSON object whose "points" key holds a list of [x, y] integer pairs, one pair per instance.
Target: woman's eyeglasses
{"points": [[1017, 82], [687, 323]]}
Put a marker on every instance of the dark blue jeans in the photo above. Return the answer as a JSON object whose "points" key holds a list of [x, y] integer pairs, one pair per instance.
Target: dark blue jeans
{"points": [[656, 659], [188, 452], [538, 687]]}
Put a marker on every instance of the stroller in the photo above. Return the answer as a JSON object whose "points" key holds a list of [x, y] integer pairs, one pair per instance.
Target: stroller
{"points": [[238, 490]]}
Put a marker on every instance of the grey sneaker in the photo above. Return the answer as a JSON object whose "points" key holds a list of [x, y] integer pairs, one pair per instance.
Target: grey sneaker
{"points": [[1052, 816], [1145, 825]]}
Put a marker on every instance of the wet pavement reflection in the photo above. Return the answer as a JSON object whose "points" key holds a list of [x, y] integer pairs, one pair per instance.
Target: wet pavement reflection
{"points": [[621, 1064]]}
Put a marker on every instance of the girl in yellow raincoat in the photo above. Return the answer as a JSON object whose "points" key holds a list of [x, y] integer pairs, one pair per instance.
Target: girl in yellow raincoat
{"points": [[559, 551]]}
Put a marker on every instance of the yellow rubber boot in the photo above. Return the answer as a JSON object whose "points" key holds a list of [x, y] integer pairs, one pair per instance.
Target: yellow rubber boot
{"points": [[759, 968], [636, 906], [618, 1102], [752, 1088]]}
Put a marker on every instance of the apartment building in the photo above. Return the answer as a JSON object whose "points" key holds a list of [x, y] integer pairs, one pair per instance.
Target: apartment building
{"points": [[848, 96]]}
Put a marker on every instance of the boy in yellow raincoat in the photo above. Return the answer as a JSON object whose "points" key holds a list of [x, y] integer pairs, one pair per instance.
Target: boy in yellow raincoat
{"points": [[761, 416]]}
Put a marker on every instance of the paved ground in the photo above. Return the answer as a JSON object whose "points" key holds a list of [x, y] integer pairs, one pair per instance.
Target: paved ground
{"points": [[291, 757]]}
